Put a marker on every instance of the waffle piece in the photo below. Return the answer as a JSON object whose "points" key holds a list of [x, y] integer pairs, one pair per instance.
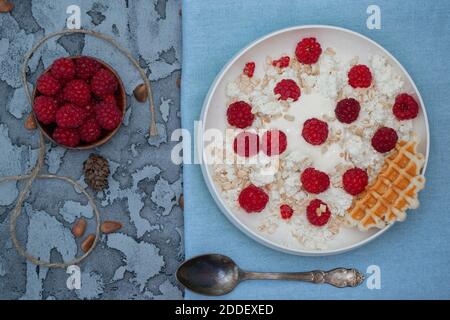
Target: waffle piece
{"points": [[394, 190]]}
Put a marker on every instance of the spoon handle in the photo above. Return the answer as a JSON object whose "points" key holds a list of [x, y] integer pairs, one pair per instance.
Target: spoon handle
{"points": [[339, 277]]}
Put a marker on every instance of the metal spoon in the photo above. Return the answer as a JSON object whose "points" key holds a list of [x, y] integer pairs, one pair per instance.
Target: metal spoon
{"points": [[216, 274]]}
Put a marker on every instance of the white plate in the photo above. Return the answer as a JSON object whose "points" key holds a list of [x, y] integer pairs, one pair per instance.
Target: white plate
{"points": [[347, 44]]}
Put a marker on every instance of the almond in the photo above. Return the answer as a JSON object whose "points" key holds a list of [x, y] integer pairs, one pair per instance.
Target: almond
{"points": [[30, 123], [181, 202], [110, 226], [141, 92], [79, 227], [6, 6], [88, 242]]}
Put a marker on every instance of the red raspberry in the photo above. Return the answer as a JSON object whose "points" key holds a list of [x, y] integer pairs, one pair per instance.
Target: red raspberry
{"points": [[67, 137], [286, 211], [63, 69], [86, 67], [355, 181], [405, 107], [314, 181], [253, 199], [104, 83], [90, 131], [315, 131], [283, 62], [359, 76], [287, 89], [347, 110], [108, 115], [90, 109], [45, 109], [246, 144], [384, 139], [249, 69], [239, 114], [59, 98], [111, 99], [274, 142], [70, 116], [318, 213], [47, 85], [308, 51], [78, 92]]}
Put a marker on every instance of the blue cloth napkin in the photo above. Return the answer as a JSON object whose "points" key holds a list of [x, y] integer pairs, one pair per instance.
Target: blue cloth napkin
{"points": [[413, 256]]}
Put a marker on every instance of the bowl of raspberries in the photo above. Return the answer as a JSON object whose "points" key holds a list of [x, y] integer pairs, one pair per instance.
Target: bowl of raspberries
{"points": [[79, 102]]}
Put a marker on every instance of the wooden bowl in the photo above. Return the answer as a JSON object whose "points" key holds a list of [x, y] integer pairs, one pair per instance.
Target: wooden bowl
{"points": [[121, 99]]}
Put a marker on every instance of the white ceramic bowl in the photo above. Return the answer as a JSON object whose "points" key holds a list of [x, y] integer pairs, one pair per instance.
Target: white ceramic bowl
{"points": [[347, 44]]}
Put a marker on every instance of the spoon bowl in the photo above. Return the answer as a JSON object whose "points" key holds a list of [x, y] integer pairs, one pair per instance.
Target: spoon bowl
{"points": [[210, 274], [216, 275]]}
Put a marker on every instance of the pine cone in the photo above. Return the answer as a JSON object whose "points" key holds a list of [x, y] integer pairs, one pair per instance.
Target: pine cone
{"points": [[96, 172]]}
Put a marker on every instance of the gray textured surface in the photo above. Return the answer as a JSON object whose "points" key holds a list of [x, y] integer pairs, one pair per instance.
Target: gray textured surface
{"points": [[138, 262]]}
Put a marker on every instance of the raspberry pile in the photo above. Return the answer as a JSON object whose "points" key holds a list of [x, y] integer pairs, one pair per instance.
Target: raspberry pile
{"points": [[76, 101]]}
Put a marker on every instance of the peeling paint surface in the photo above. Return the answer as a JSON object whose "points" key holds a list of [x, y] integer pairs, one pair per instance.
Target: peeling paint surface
{"points": [[139, 261], [141, 258]]}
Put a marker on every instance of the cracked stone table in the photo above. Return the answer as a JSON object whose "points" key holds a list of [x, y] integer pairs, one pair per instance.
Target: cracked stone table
{"points": [[140, 260]]}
